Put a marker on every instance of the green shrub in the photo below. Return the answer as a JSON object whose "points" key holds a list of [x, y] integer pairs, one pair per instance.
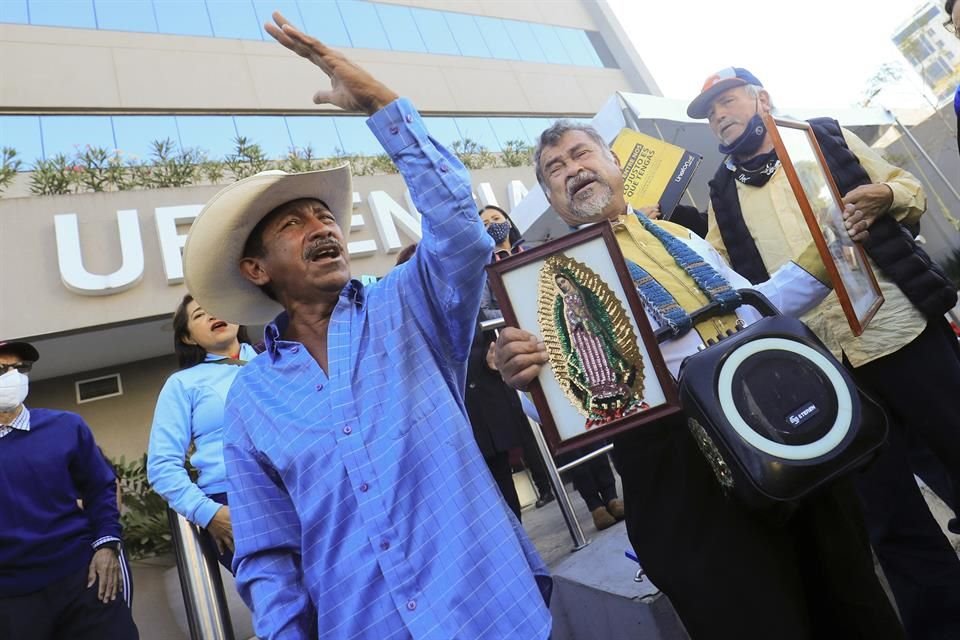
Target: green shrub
{"points": [[146, 530], [9, 166], [53, 177]]}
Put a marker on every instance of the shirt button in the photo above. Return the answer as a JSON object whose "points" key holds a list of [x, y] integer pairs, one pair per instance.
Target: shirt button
{"points": [[394, 129], [294, 349], [319, 387], [348, 430], [408, 118], [384, 544], [443, 168], [364, 487], [411, 605]]}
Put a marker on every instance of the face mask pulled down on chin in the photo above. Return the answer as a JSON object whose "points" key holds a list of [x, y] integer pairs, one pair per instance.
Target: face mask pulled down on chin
{"points": [[13, 390], [749, 141]]}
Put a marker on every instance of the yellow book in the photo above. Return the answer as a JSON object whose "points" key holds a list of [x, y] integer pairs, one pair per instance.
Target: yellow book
{"points": [[654, 171]]}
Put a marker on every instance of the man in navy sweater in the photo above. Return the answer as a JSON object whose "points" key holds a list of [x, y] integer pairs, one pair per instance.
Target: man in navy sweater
{"points": [[59, 568]]}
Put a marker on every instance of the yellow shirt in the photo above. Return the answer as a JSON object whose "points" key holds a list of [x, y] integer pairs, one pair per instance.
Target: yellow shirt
{"points": [[783, 236], [643, 248], [794, 289]]}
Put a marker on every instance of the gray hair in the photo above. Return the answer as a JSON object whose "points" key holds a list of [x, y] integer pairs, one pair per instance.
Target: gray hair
{"points": [[551, 137], [755, 89]]}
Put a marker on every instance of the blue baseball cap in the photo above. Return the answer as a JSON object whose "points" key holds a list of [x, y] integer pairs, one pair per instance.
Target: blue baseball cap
{"points": [[722, 80]]}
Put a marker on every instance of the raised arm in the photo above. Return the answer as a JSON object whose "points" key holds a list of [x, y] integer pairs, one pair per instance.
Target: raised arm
{"points": [[446, 272]]}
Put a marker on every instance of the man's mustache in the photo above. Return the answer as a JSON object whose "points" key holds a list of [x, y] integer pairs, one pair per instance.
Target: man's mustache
{"points": [[320, 246], [579, 180]]}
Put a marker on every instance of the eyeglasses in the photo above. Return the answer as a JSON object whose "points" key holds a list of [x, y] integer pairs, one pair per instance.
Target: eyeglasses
{"points": [[22, 367], [950, 26]]}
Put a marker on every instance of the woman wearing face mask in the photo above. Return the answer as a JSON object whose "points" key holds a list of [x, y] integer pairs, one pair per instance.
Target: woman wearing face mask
{"points": [[189, 413], [480, 367], [508, 242]]}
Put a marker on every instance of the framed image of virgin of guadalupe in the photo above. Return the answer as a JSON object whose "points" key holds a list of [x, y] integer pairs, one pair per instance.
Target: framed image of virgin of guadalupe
{"points": [[605, 374], [822, 206]]}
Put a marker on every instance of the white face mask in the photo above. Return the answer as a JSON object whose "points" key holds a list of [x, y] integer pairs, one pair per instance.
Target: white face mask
{"points": [[13, 390]]}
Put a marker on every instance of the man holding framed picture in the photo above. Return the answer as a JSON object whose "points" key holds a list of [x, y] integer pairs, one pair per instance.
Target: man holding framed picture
{"points": [[907, 358], [729, 572]]}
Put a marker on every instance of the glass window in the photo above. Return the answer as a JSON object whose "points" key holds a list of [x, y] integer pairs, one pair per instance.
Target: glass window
{"points": [[549, 42], [183, 17], [264, 10], [135, 134], [356, 136], [578, 47], [63, 13], [524, 41], [125, 15], [495, 35], [316, 132], [443, 130], [403, 34], [23, 134], [480, 131], [535, 126], [69, 134], [212, 134], [508, 129], [14, 11], [231, 19], [435, 31], [466, 33], [363, 24], [270, 132], [323, 21]]}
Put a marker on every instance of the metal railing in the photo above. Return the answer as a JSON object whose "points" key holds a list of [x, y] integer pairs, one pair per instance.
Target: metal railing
{"points": [[203, 596]]}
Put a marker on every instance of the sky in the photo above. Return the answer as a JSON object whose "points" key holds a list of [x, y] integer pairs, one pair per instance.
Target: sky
{"points": [[812, 53]]}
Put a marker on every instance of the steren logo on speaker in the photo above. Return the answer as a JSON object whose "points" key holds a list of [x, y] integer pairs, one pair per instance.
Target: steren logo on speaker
{"points": [[802, 414]]}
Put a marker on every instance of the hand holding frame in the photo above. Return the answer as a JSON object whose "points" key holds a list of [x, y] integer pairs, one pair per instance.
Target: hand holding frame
{"points": [[352, 88]]}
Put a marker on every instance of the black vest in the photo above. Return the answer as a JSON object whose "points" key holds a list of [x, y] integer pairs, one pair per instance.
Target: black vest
{"points": [[890, 245]]}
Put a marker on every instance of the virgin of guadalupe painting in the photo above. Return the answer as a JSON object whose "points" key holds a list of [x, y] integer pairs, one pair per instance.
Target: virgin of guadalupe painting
{"points": [[591, 344]]}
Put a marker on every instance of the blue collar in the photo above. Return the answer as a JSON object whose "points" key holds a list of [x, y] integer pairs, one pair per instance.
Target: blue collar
{"points": [[353, 292]]}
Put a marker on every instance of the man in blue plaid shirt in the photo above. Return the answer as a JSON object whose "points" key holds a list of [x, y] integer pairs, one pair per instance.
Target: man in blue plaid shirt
{"points": [[361, 505]]}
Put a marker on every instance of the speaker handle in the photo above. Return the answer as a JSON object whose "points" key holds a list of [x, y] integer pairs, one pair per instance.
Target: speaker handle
{"points": [[750, 297]]}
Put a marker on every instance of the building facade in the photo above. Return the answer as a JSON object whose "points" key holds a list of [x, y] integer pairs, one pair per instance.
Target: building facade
{"points": [[931, 50], [127, 93]]}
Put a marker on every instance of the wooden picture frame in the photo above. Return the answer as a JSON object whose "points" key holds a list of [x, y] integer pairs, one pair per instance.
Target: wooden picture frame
{"points": [[606, 374], [822, 206]]}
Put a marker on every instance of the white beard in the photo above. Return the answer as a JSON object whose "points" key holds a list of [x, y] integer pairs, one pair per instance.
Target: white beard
{"points": [[594, 204]]}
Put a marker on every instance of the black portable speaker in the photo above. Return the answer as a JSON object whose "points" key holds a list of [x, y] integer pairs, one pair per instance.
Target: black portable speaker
{"points": [[775, 414]]}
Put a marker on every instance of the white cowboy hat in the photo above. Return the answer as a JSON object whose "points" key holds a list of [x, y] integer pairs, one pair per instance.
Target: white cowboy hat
{"points": [[214, 247]]}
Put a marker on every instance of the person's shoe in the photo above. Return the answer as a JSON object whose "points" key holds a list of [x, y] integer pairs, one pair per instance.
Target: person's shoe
{"points": [[545, 498], [602, 518], [615, 507]]}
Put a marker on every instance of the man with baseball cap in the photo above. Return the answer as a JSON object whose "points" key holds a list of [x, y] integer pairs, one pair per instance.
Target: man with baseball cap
{"points": [[907, 358], [59, 565], [362, 507]]}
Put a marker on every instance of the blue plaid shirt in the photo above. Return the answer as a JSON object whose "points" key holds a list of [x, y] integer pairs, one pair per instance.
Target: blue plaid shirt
{"points": [[361, 505]]}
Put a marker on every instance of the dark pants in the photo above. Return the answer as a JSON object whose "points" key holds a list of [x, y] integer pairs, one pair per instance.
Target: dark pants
{"points": [[534, 462], [919, 386], [499, 465], [593, 479], [225, 558], [66, 610], [730, 573]]}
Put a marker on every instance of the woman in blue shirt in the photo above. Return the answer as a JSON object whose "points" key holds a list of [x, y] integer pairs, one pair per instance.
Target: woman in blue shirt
{"points": [[190, 412]]}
